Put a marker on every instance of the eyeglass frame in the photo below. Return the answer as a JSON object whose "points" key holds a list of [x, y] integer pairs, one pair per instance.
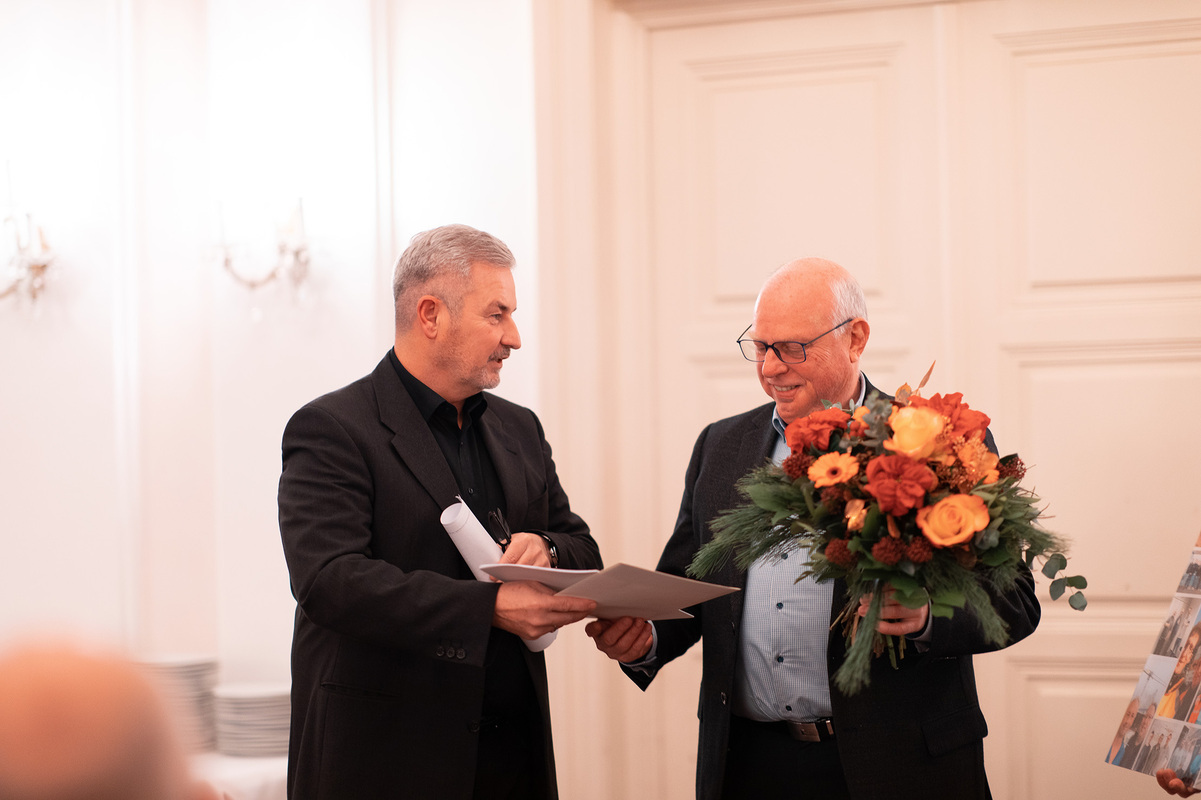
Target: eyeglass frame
{"points": [[774, 346]]}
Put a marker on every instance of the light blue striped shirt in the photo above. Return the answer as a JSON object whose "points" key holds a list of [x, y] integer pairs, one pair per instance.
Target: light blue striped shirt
{"points": [[781, 671]]}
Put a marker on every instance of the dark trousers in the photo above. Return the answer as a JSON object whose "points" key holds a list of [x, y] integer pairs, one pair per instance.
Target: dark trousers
{"points": [[764, 761], [509, 764]]}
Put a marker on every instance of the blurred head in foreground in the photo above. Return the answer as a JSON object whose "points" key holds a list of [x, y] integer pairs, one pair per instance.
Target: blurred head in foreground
{"points": [[76, 725]]}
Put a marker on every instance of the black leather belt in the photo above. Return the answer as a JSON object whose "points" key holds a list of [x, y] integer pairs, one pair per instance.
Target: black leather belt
{"points": [[817, 731]]}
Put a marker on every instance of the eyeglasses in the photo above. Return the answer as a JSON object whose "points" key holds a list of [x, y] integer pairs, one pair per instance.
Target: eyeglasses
{"points": [[787, 352]]}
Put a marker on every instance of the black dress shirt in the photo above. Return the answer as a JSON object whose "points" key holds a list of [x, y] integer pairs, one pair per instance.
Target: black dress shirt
{"points": [[508, 688]]}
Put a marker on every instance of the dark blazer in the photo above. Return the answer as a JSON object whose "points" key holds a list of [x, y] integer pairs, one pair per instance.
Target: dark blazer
{"points": [[914, 732], [391, 627]]}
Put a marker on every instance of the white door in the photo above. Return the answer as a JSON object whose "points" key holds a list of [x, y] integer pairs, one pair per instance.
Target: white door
{"points": [[1016, 183]]}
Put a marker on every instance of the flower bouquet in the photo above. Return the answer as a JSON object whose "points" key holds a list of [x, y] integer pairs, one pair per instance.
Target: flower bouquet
{"points": [[902, 494]]}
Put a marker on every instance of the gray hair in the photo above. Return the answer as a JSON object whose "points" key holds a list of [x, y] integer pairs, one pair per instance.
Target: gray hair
{"points": [[438, 261], [849, 301]]}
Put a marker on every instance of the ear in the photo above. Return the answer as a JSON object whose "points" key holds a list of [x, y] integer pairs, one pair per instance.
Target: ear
{"points": [[860, 331], [432, 314]]}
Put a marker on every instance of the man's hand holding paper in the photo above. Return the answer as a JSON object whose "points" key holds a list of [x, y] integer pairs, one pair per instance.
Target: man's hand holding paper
{"points": [[532, 610], [620, 590], [625, 639]]}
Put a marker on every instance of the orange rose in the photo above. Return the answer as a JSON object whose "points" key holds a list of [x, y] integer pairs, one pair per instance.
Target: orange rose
{"points": [[899, 483], [814, 430], [962, 421], [953, 519], [833, 469], [915, 431]]}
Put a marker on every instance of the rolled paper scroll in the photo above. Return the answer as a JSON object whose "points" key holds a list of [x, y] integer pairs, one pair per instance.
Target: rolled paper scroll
{"points": [[478, 548]]}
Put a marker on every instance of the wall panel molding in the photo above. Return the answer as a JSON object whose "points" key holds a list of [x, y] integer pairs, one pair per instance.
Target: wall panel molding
{"points": [[666, 14], [796, 62], [1101, 197], [1185, 32]]}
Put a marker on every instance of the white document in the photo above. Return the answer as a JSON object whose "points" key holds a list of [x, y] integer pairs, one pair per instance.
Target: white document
{"points": [[620, 590], [478, 548]]}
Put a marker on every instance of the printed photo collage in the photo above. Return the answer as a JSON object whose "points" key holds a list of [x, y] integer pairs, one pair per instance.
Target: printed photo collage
{"points": [[1160, 727]]}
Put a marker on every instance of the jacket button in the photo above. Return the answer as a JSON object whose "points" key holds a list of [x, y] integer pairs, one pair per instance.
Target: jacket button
{"points": [[723, 698], [461, 653], [474, 727], [441, 651]]}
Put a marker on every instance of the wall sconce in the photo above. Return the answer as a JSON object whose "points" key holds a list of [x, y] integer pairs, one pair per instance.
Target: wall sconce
{"points": [[292, 255], [29, 260]]}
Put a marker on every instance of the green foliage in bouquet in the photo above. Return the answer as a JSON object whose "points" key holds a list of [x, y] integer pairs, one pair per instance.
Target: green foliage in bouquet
{"points": [[901, 494]]}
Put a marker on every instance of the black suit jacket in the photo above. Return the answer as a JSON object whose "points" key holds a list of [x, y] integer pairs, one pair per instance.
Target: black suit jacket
{"points": [[914, 732], [391, 627]]}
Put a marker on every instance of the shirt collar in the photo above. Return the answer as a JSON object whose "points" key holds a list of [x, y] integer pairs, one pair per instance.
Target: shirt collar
{"points": [[428, 401], [779, 425]]}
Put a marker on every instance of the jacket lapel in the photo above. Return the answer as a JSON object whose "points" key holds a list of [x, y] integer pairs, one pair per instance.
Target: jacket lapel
{"points": [[412, 439], [754, 449], [510, 467]]}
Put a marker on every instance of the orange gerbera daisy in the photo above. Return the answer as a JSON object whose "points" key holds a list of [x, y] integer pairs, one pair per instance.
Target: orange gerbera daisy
{"points": [[833, 469]]}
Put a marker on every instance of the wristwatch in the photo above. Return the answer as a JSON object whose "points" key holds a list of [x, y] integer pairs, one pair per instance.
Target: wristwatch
{"points": [[552, 551]]}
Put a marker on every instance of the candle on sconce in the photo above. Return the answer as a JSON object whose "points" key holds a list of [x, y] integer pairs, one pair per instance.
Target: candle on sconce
{"points": [[34, 246], [293, 233], [292, 252], [25, 237]]}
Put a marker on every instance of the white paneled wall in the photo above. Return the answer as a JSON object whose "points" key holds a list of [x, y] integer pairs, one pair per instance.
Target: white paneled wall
{"points": [[143, 399], [1015, 184], [1015, 181]]}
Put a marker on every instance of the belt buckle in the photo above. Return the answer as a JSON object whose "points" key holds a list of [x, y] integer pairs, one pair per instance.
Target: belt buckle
{"points": [[815, 731]]}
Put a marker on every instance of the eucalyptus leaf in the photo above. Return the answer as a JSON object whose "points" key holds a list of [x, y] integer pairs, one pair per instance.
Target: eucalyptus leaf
{"points": [[904, 583], [995, 557], [767, 497], [1078, 601], [914, 599], [1055, 563], [873, 521], [942, 610], [990, 537], [1058, 587]]}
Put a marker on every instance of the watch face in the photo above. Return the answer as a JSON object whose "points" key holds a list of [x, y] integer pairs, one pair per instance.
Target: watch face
{"points": [[551, 551]]}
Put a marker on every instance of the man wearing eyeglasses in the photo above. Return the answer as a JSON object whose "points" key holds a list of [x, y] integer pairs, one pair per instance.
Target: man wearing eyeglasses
{"points": [[771, 723]]}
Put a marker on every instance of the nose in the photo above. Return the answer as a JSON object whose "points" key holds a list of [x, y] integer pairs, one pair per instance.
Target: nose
{"points": [[511, 336], [772, 365]]}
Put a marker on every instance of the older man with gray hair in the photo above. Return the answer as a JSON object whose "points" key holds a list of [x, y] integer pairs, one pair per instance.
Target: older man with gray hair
{"points": [[409, 677]]}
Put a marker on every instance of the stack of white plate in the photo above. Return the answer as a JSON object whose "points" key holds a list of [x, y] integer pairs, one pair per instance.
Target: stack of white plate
{"points": [[252, 719], [186, 683]]}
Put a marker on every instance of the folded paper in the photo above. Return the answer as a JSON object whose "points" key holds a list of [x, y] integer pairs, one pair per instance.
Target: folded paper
{"points": [[478, 548], [620, 590]]}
